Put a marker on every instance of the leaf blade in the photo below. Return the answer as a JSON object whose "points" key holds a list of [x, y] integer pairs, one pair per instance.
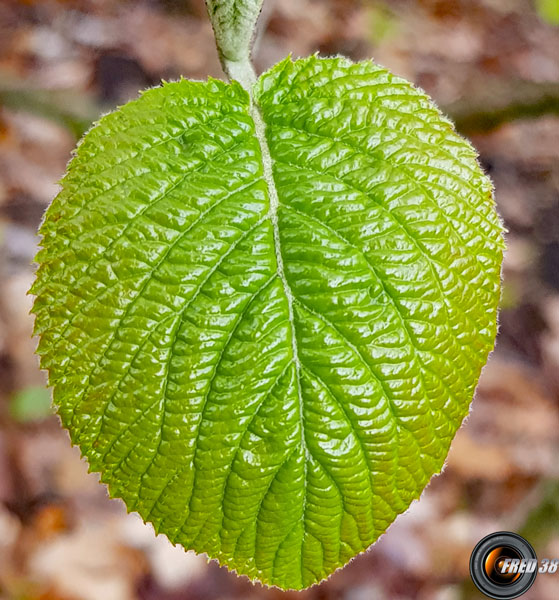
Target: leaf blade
{"points": [[264, 318]]}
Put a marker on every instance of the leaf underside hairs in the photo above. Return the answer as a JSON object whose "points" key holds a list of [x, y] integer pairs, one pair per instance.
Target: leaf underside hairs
{"points": [[264, 305]]}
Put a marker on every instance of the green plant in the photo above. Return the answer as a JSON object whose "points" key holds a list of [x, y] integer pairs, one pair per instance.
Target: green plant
{"points": [[264, 305], [30, 404], [548, 10]]}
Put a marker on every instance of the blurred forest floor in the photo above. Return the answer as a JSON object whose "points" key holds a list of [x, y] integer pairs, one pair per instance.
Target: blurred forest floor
{"points": [[494, 66]]}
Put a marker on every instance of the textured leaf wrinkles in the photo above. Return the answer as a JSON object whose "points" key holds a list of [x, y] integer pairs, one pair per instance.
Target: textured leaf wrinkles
{"points": [[264, 320]]}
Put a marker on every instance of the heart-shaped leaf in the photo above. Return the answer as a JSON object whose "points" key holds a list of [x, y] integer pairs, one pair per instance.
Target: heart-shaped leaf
{"points": [[264, 317]]}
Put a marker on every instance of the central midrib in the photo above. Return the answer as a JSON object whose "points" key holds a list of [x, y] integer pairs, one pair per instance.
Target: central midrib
{"points": [[260, 132]]}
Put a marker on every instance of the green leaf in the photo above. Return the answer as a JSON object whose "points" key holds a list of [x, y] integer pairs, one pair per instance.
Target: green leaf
{"points": [[548, 10], [264, 320]]}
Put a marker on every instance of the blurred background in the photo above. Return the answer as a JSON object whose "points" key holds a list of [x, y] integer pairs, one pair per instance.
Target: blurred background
{"points": [[493, 65]]}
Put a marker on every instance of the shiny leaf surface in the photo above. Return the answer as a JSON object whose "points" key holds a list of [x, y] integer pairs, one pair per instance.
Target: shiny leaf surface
{"points": [[264, 319]]}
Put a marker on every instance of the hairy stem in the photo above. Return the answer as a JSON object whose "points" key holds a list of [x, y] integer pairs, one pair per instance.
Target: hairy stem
{"points": [[242, 71], [234, 25]]}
